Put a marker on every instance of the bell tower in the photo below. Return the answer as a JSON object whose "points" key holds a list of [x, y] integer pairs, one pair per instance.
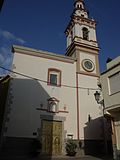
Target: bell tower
{"points": [[81, 39], [82, 44]]}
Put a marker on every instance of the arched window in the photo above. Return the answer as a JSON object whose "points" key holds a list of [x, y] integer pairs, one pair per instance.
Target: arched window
{"points": [[85, 33]]}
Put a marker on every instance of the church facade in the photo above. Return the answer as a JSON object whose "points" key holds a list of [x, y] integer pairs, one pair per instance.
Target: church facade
{"points": [[51, 96]]}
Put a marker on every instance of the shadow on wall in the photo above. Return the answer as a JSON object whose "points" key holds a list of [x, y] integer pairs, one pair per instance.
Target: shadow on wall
{"points": [[27, 100], [4, 83], [97, 137]]}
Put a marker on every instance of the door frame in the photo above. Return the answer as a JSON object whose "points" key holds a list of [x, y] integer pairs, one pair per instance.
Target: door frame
{"points": [[55, 118]]}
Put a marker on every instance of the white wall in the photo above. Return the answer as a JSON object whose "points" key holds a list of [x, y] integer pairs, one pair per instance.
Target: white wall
{"points": [[114, 99], [88, 106], [28, 94]]}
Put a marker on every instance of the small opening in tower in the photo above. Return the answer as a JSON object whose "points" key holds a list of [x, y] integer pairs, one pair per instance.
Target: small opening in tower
{"points": [[85, 33], [71, 35], [79, 6]]}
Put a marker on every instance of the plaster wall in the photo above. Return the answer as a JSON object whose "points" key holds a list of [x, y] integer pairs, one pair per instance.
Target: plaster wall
{"points": [[89, 107], [78, 32], [28, 95], [110, 100], [93, 34]]}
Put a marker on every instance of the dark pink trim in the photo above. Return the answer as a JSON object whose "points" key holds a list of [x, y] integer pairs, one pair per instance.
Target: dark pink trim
{"points": [[63, 111], [78, 118]]}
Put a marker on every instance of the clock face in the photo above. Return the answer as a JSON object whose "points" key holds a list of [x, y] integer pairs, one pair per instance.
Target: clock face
{"points": [[88, 65]]}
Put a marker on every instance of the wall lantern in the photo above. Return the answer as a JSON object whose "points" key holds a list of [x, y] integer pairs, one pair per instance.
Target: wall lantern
{"points": [[97, 96]]}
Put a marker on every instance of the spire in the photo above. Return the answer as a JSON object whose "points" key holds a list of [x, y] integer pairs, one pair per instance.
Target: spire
{"points": [[79, 4], [79, 8]]}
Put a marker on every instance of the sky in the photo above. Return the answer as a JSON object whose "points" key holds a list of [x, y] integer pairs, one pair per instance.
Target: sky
{"points": [[40, 24]]}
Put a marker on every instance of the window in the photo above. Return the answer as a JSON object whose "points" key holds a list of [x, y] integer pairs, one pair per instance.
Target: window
{"points": [[85, 33], [54, 77], [114, 83]]}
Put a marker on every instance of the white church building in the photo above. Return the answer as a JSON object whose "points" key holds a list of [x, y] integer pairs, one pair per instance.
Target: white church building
{"points": [[51, 96]]}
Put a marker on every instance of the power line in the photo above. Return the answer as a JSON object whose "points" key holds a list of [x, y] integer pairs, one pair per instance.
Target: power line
{"points": [[37, 79]]}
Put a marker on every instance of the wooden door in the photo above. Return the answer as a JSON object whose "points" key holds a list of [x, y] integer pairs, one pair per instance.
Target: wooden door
{"points": [[51, 137]]}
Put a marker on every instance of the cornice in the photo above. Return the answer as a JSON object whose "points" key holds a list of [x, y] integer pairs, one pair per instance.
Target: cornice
{"points": [[89, 74], [82, 47], [43, 54], [82, 21], [115, 66]]}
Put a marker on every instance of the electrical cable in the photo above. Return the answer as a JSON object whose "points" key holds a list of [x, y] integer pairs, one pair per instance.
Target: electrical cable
{"points": [[37, 79]]}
